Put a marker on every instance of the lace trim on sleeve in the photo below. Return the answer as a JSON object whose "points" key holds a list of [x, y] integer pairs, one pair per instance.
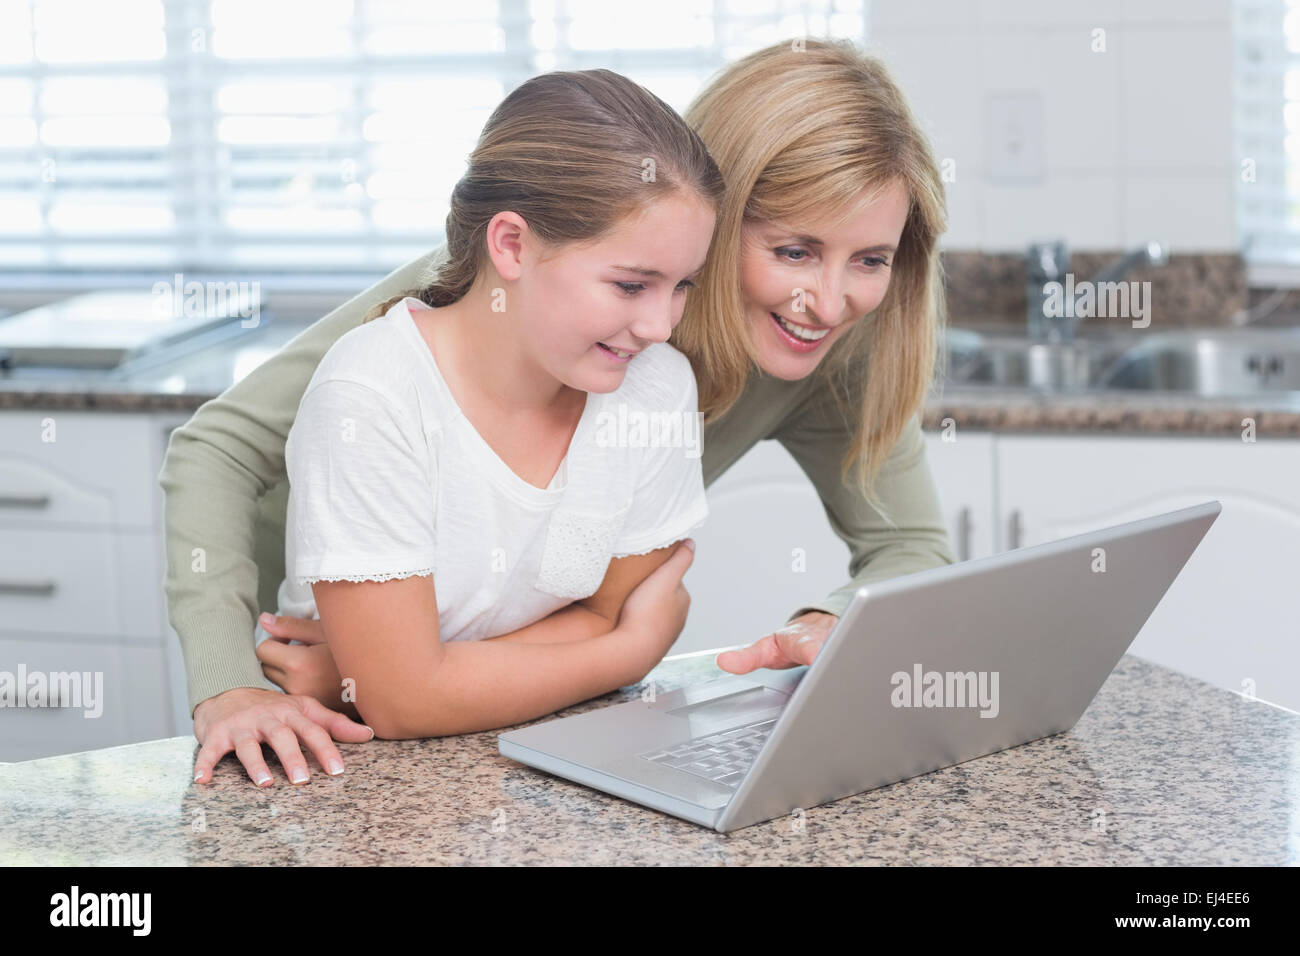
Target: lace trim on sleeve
{"points": [[366, 576]]}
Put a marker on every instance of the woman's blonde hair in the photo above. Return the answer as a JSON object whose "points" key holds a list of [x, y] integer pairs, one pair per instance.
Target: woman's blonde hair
{"points": [[572, 153], [800, 130]]}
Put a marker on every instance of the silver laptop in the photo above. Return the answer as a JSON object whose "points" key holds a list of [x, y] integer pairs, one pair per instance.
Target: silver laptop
{"points": [[922, 672]]}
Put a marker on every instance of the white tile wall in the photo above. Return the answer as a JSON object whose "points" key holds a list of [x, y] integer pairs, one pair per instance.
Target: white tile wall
{"points": [[1085, 209], [1137, 140], [1195, 212], [1180, 85]]}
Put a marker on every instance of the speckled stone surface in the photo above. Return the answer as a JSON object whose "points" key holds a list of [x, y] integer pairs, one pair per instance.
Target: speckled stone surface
{"points": [[1023, 411], [1161, 769], [1191, 289], [184, 383]]}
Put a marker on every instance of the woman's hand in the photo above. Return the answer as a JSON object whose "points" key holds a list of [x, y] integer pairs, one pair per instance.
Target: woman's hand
{"points": [[654, 612], [795, 644], [244, 718], [306, 668]]}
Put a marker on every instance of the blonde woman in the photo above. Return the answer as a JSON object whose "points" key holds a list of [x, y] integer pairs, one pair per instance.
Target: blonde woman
{"points": [[814, 322]]}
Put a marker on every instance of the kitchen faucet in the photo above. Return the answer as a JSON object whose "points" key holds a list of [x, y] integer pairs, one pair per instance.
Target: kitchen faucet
{"points": [[1050, 262]]}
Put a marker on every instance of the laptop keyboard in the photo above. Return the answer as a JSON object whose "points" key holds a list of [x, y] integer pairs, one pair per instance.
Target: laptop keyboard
{"points": [[723, 758]]}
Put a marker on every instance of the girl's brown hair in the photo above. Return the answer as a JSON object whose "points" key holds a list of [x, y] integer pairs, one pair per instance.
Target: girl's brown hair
{"points": [[799, 130], [572, 153]]}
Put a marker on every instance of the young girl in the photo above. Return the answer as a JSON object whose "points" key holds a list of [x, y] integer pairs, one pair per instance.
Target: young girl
{"points": [[450, 481]]}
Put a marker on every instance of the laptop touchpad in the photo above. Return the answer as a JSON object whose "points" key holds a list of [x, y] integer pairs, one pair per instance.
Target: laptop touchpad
{"points": [[736, 706]]}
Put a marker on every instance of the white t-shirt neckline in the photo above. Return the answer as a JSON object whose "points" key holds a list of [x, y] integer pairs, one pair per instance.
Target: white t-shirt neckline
{"points": [[501, 474], [387, 482]]}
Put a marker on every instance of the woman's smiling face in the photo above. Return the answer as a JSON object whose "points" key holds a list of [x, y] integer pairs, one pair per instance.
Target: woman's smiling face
{"points": [[837, 273]]}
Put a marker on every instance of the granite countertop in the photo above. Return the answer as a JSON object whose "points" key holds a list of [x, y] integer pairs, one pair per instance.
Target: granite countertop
{"points": [[1162, 769], [182, 382], [1112, 412]]}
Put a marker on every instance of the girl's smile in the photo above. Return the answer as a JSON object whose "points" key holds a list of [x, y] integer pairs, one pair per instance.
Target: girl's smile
{"points": [[616, 355]]}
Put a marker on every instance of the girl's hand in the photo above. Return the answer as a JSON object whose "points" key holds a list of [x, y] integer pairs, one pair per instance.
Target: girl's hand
{"points": [[244, 718], [654, 612], [307, 668], [795, 644], [304, 629]]}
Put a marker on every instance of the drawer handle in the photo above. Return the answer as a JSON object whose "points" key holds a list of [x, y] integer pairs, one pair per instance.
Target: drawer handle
{"points": [[24, 501], [26, 587], [963, 535], [1016, 529]]}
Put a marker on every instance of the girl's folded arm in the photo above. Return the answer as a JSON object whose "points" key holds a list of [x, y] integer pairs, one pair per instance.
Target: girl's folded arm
{"points": [[595, 615], [408, 683]]}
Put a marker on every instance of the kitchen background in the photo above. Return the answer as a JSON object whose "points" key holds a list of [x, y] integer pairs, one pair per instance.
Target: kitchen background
{"points": [[148, 144]]}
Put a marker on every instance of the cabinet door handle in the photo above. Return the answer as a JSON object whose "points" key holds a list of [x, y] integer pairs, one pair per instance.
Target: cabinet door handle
{"points": [[24, 501], [26, 587], [963, 535], [1015, 529]]}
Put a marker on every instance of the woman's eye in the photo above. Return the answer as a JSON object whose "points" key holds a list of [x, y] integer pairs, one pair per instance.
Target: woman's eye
{"points": [[684, 285], [875, 262], [631, 288], [789, 252]]}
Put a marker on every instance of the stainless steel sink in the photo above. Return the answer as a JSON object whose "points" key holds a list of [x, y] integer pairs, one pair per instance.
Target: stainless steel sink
{"points": [[1211, 362], [1202, 362], [1013, 361]]}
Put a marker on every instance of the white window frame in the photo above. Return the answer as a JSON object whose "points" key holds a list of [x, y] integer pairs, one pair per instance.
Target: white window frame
{"points": [[193, 116], [1268, 234]]}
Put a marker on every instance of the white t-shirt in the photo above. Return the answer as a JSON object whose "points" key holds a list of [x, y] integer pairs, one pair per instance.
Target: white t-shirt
{"points": [[388, 479]]}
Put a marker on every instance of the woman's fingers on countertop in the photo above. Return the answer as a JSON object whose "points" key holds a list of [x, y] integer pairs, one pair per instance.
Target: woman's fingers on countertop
{"points": [[283, 722]]}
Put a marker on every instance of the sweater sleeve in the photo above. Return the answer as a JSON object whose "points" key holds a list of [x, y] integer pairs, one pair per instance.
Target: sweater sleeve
{"points": [[816, 435], [217, 467]]}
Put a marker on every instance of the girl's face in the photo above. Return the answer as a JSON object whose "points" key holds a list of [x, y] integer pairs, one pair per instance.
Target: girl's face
{"points": [[805, 284], [593, 306]]}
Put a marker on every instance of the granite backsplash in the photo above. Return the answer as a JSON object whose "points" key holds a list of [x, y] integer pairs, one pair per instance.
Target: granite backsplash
{"points": [[1189, 290]]}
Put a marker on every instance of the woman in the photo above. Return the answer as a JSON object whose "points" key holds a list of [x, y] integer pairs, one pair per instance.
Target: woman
{"points": [[815, 323]]}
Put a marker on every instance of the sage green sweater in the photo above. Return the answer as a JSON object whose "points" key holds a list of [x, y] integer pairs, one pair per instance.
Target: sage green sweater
{"points": [[227, 491]]}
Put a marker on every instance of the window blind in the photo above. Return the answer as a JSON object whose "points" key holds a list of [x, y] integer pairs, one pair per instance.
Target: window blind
{"points": [[302, 136], [1267, 68]]}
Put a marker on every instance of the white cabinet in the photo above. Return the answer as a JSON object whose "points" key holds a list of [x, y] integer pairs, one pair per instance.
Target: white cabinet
{"points": [[766, 549], [962, 464], [98, 582], [81, 570], [1230, 617], [75, 469], [109, 696]]}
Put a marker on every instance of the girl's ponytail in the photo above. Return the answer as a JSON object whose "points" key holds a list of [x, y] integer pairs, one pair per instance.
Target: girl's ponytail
{"points": [[572, 153]]}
